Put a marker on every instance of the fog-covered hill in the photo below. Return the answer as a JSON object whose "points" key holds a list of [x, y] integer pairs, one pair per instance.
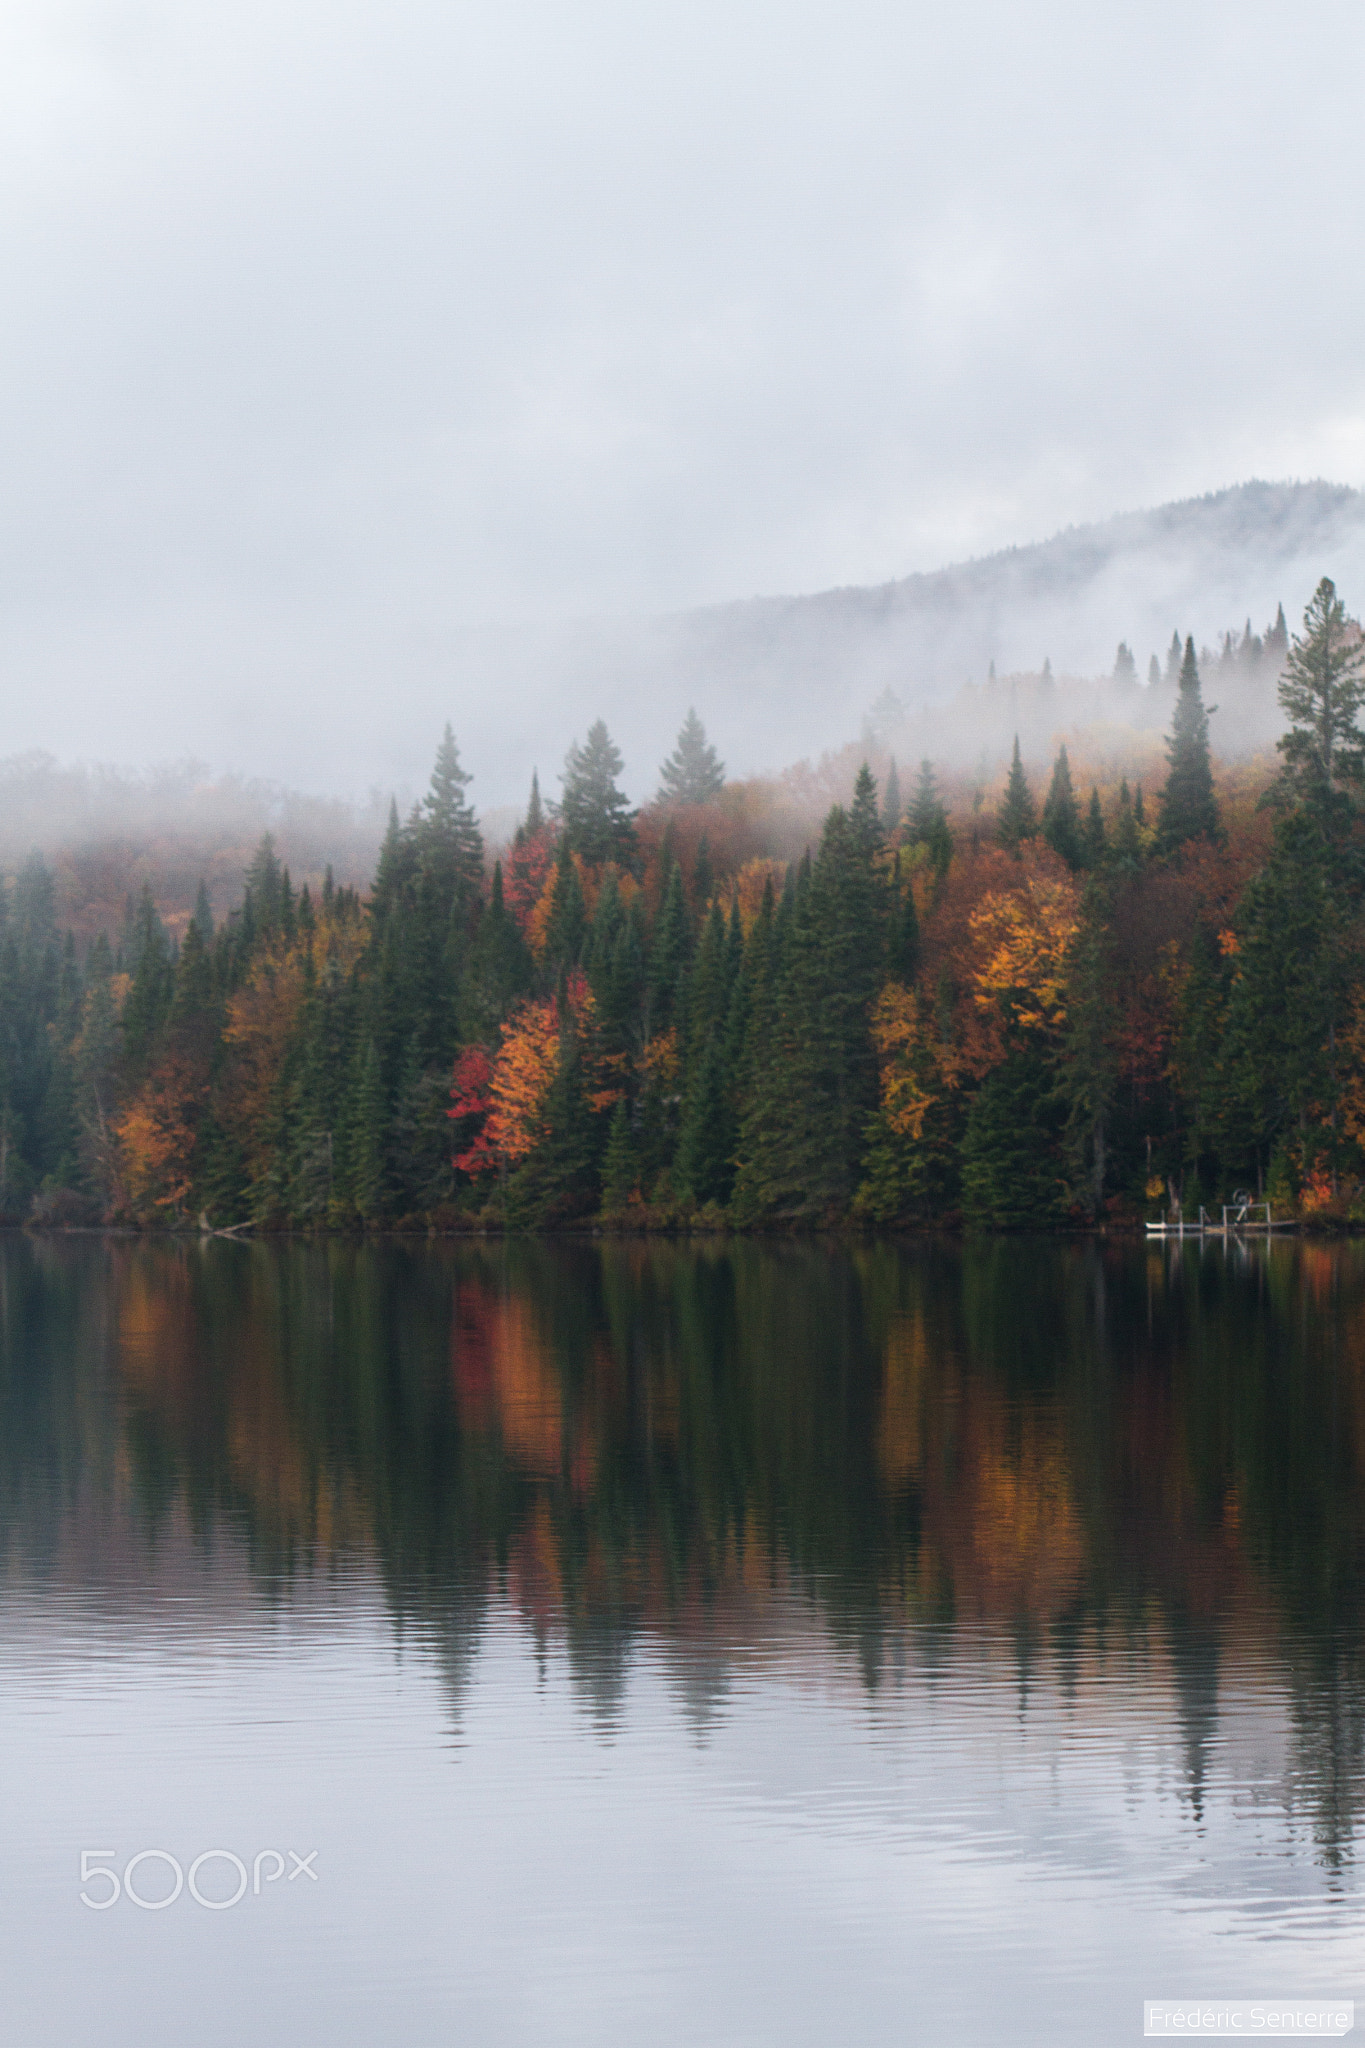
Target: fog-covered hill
{"points": [[781, 677]]}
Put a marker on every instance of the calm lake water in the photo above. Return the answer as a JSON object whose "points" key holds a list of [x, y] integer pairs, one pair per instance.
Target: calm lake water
{"points": [[763, 1644]]}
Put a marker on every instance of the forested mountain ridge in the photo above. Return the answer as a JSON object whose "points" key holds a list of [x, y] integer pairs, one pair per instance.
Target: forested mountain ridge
{"points": [[810, 665], [1073, 1007]]}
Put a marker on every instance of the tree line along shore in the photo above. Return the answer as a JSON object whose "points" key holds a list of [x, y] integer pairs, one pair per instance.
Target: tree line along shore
{"points": [[1066, 1013]]}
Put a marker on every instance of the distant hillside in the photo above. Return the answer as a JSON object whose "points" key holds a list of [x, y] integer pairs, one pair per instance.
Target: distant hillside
{"points": [[777, 678]]}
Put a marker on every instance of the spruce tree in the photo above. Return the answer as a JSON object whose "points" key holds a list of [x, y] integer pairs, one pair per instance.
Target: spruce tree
{"points": [[926, 813], [449, 843], [499, 970], [1094, 846], [669, 954], [203, 914], [1125, 668], [1061, 824], [693, 772], [263, 886], [1322, 692], [568, 921], [1017, 819], [620, 1172], [866, 824], [368, 1135], [1174, 659], [1013, 1174], [703, 878], [153, 984], [891, 800], [598, 822], [1127, 851], [903, 938], [1187, 807], [535, 809]]}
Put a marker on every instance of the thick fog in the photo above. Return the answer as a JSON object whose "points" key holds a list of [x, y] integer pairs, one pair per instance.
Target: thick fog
{"points": [[364, 366]]}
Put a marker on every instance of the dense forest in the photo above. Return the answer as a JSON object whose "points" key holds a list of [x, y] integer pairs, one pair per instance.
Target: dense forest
{"points": [[1070, 1011]]}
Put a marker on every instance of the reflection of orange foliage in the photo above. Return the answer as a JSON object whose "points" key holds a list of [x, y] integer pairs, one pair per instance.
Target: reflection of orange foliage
{"points": [[1007, 1528], [507, 1377], [900, 1446]]}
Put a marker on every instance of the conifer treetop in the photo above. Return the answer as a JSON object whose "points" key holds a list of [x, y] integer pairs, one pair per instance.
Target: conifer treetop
{"points": [[693, 772], [1061, 820], [446, 826], [598, 822], [1322, 692], [1187, 807], [1017, 819]]}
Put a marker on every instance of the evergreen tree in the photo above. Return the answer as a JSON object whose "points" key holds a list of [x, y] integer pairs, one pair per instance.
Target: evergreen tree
{"points": [[203, 914], [903, 937], [95, 1068], [1153, 674], [263, 880], [866, 824], [1321, 694], [368, 1135], [1127, 852], [705, 1168], [1174, 659], [1125, 668], [814, 1071], [568, 922], [449, 843], [620, 1172], [1061, 824], [1086, 1067], [153, 981], [669, 954], [1094, 846], [1013, 1175], [926, 814], [891, 801], [1188, 808], [1288, 993], [703, 878], [1017, 820], [693, 772], [598, 822], [535, 809], [499, 970]]}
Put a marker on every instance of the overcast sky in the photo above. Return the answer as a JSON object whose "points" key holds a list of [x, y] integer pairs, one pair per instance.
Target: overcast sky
{"points": [[329, 330]]}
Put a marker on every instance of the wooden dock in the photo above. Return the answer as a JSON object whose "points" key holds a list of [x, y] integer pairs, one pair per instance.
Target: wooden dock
{"points": [[1241, 1218]]}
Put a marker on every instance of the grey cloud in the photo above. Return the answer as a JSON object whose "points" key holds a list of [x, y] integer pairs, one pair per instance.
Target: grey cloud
{"points": [[346, 347]]}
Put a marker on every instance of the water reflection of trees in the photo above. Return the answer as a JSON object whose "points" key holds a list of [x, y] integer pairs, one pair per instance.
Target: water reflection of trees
{"points": [[1070, 1445]]}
